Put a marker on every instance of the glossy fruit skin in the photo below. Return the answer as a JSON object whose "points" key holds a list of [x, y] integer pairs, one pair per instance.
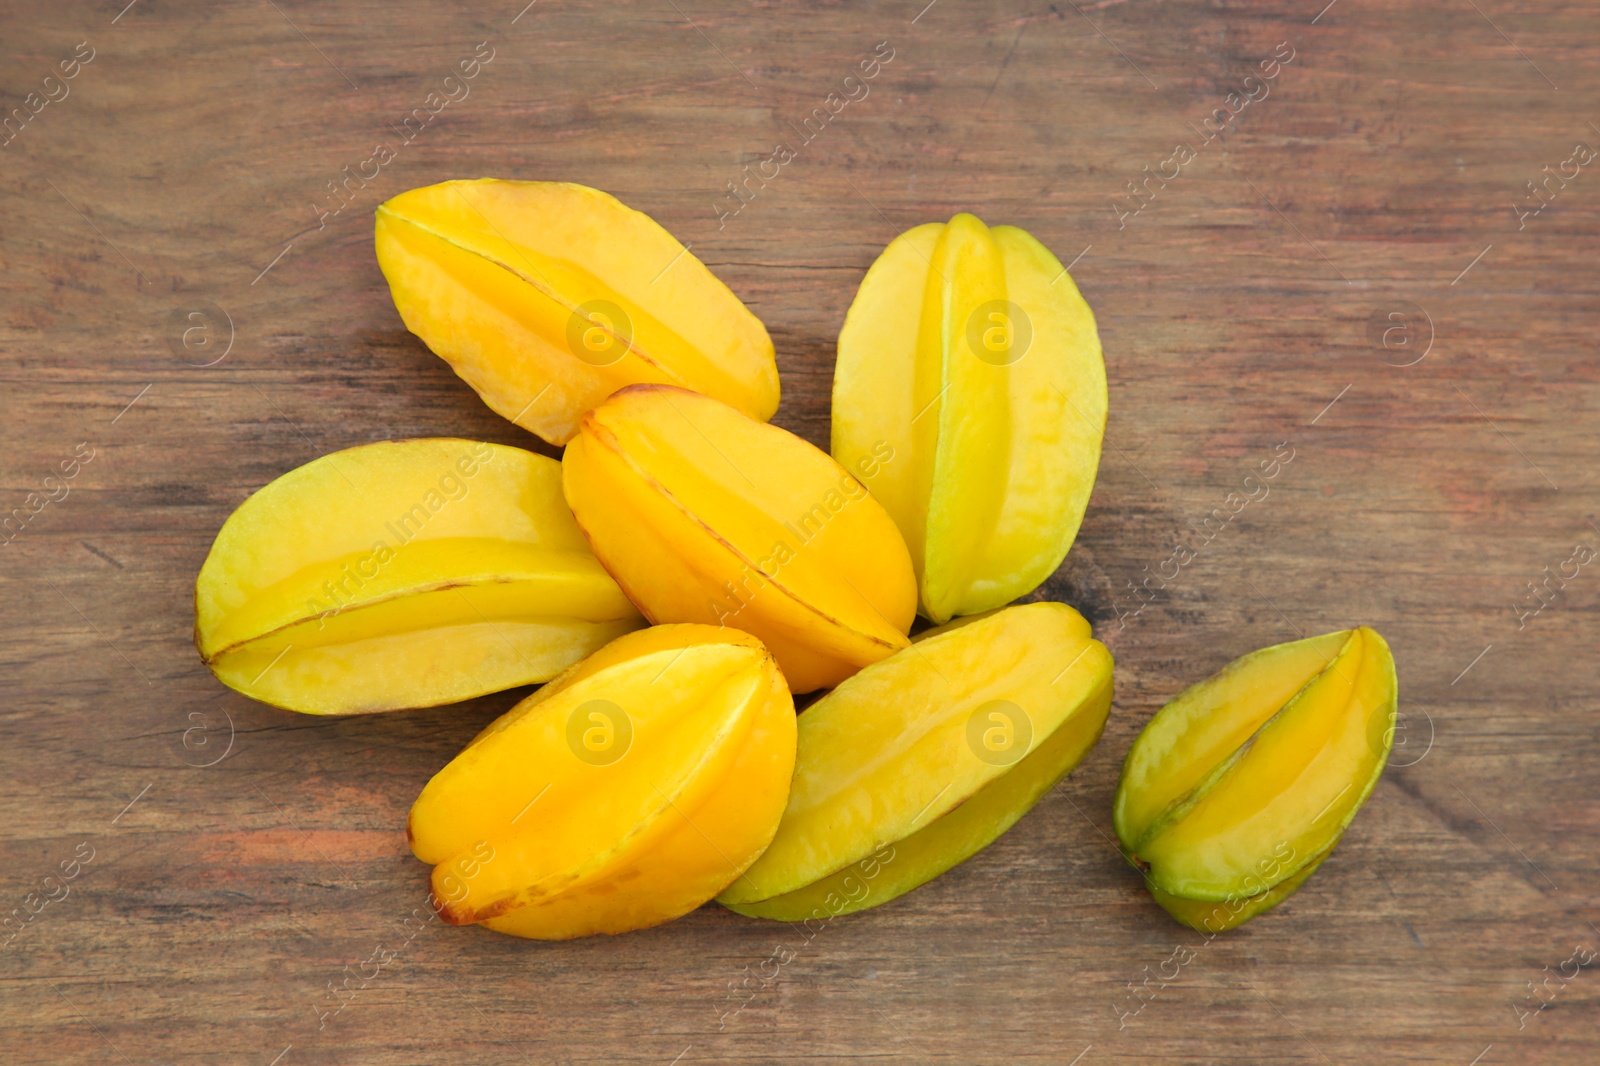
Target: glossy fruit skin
{"points": [[892, 783], [537, 832], [403, 574], [703, 514], [1209, 916], [546, 297], [1241, 786], [970, 355]]}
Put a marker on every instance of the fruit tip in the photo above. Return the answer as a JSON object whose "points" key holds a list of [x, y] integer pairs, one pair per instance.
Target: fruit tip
{"points": [[449, 912]]}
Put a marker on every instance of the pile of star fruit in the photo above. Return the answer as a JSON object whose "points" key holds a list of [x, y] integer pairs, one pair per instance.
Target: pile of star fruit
{"points": [[687, 568]]}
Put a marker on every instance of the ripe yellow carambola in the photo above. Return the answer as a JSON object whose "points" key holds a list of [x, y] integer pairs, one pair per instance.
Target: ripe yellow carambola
{"points": [[704, 514], [626, 792], [403, 574], [922, 759], [1237, 789], [546, 297], [970, 355]]}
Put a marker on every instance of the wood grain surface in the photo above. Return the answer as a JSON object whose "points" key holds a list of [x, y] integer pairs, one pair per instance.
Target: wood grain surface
{"points": [[1354, 266]]}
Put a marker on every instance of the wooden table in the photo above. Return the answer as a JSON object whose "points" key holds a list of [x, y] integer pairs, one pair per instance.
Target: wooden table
{"points": [[1354, 267]]}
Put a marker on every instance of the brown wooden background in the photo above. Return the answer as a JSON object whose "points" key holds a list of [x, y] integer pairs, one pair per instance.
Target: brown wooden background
{"points": [[1236, 307]]}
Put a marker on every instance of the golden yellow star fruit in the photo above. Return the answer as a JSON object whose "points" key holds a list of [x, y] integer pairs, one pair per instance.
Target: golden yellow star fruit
{"points": [[403, 574], [628, 791], [704, 514], [546, 297], [1237, 789], [970, 355], [921, 760]]}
